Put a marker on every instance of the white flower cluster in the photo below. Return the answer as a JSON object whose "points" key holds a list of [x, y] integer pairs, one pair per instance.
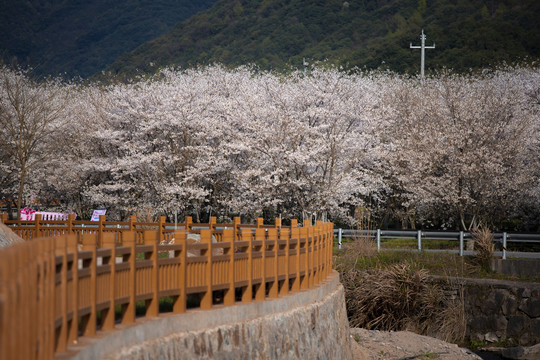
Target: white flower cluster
{"points": [[453, 149]]}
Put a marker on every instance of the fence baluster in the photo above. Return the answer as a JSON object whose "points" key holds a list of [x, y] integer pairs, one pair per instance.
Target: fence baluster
{"points": [[109, 242], [228, 236], [260, 294], [61, 335], [206, 238], [180, 302], [295, 236], [247, 294], [272, 239], [128, 310], [72, 245], [284, 248]]}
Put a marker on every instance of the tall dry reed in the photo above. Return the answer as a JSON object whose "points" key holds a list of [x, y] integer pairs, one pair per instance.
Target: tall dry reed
{"points": [[484, 246]]}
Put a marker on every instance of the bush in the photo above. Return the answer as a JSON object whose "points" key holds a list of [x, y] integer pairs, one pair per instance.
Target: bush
{"points": [[401, 297], [484, 246]]}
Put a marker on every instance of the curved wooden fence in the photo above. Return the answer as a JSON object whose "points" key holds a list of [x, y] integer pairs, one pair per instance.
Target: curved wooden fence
{"points": [[54, 290]]}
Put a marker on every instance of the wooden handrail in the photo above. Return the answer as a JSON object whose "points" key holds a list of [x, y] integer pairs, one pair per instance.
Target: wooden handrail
{"points": [[54, 288], [30, 229]]}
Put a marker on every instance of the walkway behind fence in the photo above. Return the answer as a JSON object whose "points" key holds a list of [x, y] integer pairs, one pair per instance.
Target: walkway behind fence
{"points": [[55, 289]]}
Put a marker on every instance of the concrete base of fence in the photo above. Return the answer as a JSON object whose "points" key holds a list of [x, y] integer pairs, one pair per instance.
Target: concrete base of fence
{"points": [[307, 324]]}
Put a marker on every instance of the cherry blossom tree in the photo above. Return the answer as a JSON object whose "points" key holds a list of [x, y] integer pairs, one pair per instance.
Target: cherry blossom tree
{"points": [[311, 136], [452, 150], [32, 115], [465, 145]]}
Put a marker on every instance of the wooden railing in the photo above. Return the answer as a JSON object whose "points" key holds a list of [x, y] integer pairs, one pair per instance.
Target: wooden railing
{"points": [[55, 289], [29, 229]]}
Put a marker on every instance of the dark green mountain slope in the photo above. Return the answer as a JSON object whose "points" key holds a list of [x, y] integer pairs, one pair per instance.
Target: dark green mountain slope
{"points": [[371, 33], [82, 37]]}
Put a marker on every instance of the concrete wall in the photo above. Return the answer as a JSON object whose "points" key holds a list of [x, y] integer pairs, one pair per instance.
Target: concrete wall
{"points": [[517, 267], [310, 324]]}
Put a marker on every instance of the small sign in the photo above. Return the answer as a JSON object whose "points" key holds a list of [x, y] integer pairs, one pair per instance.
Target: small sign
{"points": [[97, 213]]}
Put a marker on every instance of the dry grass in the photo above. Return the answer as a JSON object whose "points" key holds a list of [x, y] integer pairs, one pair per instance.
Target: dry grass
{"points": [[389, 298], [359, 248], [484, 246], [392, 291], [401, 297], [451, 324]]}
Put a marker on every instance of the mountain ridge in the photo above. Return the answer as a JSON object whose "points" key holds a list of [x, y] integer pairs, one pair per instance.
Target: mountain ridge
{"points": [[371, 34], [81, 38], [133, 37]]}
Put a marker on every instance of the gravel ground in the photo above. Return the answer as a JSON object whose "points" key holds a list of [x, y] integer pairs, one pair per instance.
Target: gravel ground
{"points": [[403, 345]]}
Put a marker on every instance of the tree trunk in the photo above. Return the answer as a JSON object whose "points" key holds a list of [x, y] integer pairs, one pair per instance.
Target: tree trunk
{"points": [[21, 189]]}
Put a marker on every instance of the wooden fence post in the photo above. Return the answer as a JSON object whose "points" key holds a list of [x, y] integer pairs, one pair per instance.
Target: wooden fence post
{"points": [[261, 290], [322, 266], [161, 230], [23, 321], [304, 236], [272, 237], [151, 238], [295, 236], [37, 226], [73, 249], [71, 218], [180, 237], [49, 296], [128, 311], [228, 236], [236, 227], [330, 244], [34, 283], [310, 257], [89, 242], [3, 218], [109, 242], [4, 305], [284, 235], [101, 226], [318, 253], [189, 223], [212, 223], [41, 312], [247, 294], [62, 334], [206, 238], [132, 220]]}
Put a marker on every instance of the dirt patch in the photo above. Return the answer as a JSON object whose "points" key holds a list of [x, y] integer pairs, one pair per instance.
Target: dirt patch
{"points": [[402, 345]]}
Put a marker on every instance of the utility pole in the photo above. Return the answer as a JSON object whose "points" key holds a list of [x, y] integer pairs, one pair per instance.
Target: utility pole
{"points": [[422, 47]]}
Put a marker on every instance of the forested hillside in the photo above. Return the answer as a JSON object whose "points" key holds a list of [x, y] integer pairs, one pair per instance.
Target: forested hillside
{"points": [[370, 33], [80, 37]]}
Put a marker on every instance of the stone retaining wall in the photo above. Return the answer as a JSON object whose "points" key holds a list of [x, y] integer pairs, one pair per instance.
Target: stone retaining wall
{"points": [[502, 310], [308, 324]]}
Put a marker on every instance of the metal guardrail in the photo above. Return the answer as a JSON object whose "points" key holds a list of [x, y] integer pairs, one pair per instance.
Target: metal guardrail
{"points": [[420, 235]]}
